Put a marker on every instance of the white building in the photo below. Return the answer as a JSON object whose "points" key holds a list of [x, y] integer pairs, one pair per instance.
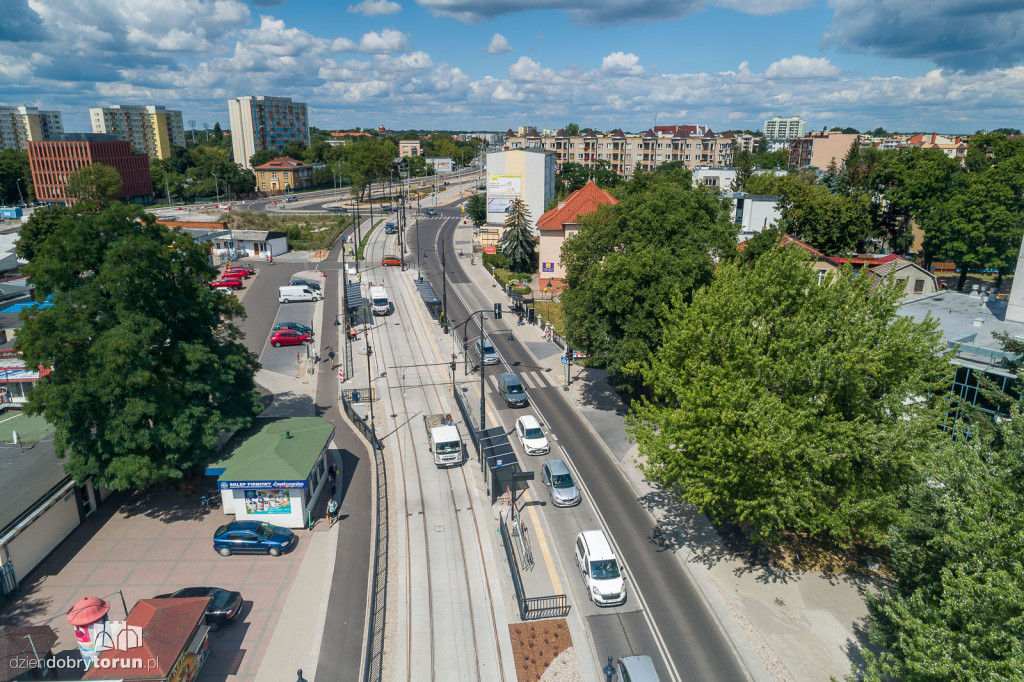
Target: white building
{"points": [[722, 178], [753, 213], [23, 124], [780, 127], [259, 123], [152, 128], [527, 174]]}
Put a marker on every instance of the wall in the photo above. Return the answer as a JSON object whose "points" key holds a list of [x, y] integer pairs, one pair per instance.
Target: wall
{"points": [[41, 533], [536, 171]]}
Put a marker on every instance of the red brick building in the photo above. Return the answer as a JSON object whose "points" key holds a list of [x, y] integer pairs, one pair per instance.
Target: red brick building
{"points": [[52, 162]]}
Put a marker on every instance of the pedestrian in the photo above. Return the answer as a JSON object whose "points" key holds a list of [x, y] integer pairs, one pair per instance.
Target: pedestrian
{"points": [[330, 355], [332, 512], [332, 479]]}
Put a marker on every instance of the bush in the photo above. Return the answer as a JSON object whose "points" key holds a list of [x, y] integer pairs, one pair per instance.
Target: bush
{"points": [[495, 260], [522, 291]]}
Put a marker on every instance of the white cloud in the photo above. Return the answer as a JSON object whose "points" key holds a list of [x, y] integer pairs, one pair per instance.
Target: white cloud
{"points": [[498, 45], [621, 64], [799, 66], [415, 61], [525, 69], [387, 41], [372, 8]]}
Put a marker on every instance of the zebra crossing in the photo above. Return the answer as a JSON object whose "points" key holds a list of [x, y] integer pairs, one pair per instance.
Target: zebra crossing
{"points": [[530, 379]]}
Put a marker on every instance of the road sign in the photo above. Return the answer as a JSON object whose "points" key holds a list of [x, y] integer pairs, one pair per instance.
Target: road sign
{"points": [[565, 360]]}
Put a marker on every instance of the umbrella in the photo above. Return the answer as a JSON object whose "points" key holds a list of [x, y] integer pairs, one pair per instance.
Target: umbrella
{"points": [[88, 610], [20, 643]]}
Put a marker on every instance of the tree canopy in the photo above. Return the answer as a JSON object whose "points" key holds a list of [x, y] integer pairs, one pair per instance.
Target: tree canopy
{"points": [[517, 241], [148, 366], [15, 177], [95, 182], [476, 208], [574, 176], [789, 406], [831, 223], [630, 259]]}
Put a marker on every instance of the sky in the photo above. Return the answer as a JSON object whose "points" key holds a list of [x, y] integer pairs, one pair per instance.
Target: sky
{"points": [[908, 65]]}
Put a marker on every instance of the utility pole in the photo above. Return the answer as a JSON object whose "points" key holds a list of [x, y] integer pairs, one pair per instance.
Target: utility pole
{"points": [[419, 271], [369, 378], [401, 231]]}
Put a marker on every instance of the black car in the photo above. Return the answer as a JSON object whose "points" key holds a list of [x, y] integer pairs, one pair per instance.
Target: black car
{"points": [[337, 209], [315, 286], [224, 605], [297, 326]]}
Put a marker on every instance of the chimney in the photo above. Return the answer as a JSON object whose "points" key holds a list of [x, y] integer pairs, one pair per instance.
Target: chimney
{"points": [[1015, 306]]}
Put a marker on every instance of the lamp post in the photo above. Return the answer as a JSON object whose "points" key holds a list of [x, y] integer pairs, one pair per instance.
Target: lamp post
{"points": [[369, 378], [21, 197], [216, 188], [609, 670]]}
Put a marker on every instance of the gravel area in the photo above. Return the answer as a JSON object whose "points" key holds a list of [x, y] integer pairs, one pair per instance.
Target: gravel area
{"points": [[565, 668]]}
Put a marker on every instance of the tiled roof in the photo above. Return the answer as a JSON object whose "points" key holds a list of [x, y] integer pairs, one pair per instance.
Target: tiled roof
{"points": [[192, 223], [788, 239], [167, 625], [579, 203], [283, 163]]}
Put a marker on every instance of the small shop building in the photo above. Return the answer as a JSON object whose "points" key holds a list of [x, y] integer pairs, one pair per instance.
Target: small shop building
{"points": [[276, 474], [161, 640]]}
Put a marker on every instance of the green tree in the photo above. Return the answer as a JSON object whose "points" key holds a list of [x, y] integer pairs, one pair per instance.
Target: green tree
{"points": [[572, 129], [663, 238], [754, 424], [744, 169], [95, 182], [766, 159], [15, 177], [262, 156], [762, 184], [954, 612], [831, 223], [40, 226], [476, 208], [517, 242], [148, 365]]}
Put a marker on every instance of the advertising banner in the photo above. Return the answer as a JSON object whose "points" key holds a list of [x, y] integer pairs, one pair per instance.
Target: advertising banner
{"points": [[504, 185], [547, 267], [268, 502], [259, 485], [499, 204]]}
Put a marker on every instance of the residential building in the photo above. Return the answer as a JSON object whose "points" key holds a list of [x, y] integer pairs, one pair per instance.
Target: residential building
{"points": [[23, 124], [954, 147], [753, 213], [722, 178], [819, 149], [785, 127], [260, 123], [693, 145], [743, 141], [562, 222], [409, 148], [151, 128], [282, 174], [52, 162], [526, 174]]}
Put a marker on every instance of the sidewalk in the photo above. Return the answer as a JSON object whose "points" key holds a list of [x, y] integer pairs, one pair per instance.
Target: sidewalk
{"points": [[800, 625]]}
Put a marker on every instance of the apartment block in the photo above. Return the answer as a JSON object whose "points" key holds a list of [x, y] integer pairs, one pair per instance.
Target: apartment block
{"points": [[51, 162], [819, 149], [23, 124], [693, 145], [525, 174], [409, 148], [784, 127], [151, 129], [259, 123]]}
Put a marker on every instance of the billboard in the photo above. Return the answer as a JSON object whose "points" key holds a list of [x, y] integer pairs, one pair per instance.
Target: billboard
{"points": [[441, 165], [499, 204], [504, 185]]}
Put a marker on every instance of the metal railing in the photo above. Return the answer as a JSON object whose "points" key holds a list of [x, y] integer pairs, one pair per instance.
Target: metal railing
{"points": [[8, 581], [530, 608]]}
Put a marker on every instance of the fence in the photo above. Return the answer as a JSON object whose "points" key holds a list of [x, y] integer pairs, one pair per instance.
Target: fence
{"points": [[8, 582], [373, 659], [530, 608]]}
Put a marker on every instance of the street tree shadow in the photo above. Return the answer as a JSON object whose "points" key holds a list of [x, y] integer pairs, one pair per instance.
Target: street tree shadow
{"points": [[596, 391]]}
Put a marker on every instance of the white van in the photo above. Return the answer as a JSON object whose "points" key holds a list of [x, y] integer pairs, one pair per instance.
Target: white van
{"points": [[289, 293], [379, 300], [600, 568]]}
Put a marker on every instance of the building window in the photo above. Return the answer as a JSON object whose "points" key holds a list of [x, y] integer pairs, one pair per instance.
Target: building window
{"points": [[821, 277], [918, 286]]}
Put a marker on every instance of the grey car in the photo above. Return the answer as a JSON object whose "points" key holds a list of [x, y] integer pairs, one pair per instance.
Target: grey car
{"points": [[636, 669], [487, 353], [315, 286], [560, 484]]}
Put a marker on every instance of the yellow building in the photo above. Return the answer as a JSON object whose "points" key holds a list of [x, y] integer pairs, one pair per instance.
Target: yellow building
{"points": [[23, 124], [150, 129], [282, 175]]}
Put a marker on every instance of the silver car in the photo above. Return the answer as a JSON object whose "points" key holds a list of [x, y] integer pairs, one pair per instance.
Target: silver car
{"points": [[486, 352], [555, 475]]}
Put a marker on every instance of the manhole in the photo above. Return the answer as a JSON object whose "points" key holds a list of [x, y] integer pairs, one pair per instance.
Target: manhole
{"points": [[438, 529]]}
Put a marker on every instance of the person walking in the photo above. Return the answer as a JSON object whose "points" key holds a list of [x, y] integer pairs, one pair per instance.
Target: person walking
{"points": [[332, 478], [332, 512], [330, 356]]}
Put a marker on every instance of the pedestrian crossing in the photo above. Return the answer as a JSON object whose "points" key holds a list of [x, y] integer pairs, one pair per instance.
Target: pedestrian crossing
{"points": [[530, 379]]}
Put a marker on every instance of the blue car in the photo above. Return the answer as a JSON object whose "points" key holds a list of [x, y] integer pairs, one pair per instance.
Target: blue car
{"points": [[252, 537]]}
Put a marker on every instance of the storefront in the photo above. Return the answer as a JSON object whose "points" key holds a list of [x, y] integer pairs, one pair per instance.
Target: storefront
{"points": [[277, 473]]}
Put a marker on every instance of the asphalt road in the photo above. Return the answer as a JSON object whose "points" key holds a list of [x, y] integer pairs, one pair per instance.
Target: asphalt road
{"points": [[673, 609], [343, 641]]}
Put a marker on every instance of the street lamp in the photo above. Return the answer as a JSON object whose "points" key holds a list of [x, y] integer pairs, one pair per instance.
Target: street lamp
{"points": [[609, 670], [21, 197], [216, 188]]}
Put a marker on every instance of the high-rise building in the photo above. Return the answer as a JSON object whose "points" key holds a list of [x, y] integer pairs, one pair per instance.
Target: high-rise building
{"points": [[779, 127], [259, 123], [151, 129], [52, 162], [24, 124]]}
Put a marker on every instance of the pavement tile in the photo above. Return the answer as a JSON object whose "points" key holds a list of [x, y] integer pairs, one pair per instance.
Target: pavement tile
{"points": [[151, 573], [263, 597], [184, 530], [169, 548], [131, 549], [200, 547], [273, 572], [228, 569], [188, 573], [97, 548], [74, 573], [115, 572]]}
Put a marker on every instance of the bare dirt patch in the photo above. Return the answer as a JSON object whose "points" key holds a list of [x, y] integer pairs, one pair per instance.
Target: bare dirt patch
{"points": [[536, 644]]}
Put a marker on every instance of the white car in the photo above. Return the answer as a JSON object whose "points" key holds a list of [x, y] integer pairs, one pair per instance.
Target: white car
{"points": [[531, 436]]}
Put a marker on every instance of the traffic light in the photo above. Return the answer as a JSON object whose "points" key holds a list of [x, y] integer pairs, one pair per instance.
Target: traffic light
{"points": [[452, 365], [497, 311], [568, 352]]}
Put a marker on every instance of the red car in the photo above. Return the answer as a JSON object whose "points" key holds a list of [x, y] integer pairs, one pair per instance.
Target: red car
{"points": [[249, 270], [228, 282], [236, 273], [289, 337], [391, 260]]}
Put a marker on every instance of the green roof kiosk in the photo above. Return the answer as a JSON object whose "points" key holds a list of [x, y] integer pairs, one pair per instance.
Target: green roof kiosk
{"points": [[275, 474]]}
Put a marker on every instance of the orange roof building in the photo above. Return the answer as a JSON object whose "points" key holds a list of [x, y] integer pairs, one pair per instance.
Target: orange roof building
{"points": [[562, 222], [281, 175]]}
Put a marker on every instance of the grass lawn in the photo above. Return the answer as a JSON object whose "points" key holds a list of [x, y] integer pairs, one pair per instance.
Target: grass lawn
{"points": [[551, 311]]}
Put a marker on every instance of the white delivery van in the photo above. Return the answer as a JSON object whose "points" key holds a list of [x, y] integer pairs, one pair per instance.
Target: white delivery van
{"points": [[289, 293], [379, 300]]}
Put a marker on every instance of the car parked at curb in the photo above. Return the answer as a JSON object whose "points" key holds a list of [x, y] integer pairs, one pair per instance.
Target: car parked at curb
{"points": [[531, 435], [224, 606], [236, 273], [289, 337], [555, 475], [297, 326], [252, 537], [245, 267], [315, 286], [226, 283]]}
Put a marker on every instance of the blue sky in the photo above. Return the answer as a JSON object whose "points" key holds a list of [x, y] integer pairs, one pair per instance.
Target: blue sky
{"points": [[905, 65]]}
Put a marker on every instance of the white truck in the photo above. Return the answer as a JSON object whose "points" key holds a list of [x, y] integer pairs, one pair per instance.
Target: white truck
{"points": [[443, 439]]}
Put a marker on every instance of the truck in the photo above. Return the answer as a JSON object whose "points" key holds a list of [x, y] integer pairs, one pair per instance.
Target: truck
{"points": [[390, 227], [443, 439]]}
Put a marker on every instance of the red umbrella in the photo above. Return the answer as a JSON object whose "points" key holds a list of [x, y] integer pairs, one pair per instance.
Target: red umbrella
{"points": [[88, 610]]}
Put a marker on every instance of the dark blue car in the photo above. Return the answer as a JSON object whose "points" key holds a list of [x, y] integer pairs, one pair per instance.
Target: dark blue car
{"points": [[252, 537]]}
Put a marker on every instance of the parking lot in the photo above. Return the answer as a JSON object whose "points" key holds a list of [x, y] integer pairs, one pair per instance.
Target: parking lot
{"points": [[154, 543]]}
